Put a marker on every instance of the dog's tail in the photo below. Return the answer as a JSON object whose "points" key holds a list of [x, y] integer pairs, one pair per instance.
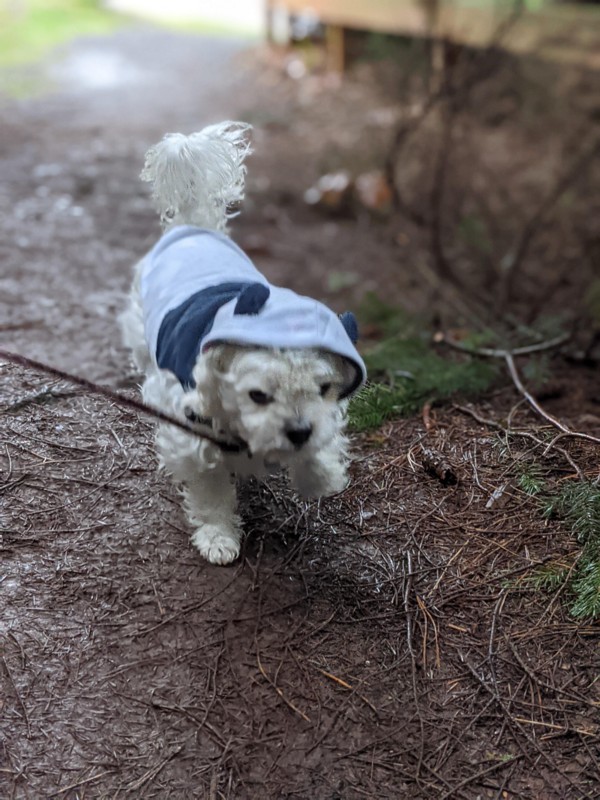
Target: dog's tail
{"points": [[197, 179]]}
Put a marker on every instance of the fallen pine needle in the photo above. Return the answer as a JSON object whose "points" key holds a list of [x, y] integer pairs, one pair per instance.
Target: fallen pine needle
{"points": [[555, 727], [334, 678], [279, 691], [346, 685], [81, 782]]}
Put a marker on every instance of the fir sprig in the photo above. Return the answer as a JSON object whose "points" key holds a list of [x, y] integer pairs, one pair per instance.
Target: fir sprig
{"points": [[578, 504], [407, 372]]}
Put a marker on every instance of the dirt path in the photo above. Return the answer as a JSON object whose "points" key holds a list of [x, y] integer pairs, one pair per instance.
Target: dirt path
{"points": [[74, 214], [377, 646]]}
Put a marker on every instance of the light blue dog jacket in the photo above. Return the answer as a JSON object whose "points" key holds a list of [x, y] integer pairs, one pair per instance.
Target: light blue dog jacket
{"points": [[199, 289]]}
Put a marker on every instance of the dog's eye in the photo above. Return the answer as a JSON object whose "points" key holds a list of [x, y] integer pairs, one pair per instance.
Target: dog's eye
{"points": [[325, 387], [260, 398]]}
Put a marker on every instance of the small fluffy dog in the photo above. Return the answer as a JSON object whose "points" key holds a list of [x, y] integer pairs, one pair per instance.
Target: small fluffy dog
{"points": [[265, 371]]}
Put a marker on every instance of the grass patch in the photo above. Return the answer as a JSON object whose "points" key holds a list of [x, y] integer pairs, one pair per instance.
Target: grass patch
{"points": [[209, 28], [29, 29], [406, 372]]}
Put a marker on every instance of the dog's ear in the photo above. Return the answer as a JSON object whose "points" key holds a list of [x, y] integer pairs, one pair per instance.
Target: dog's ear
{"points": [[350, 379], [209, 372], [218, 357], [345, 375], [350, 324]]}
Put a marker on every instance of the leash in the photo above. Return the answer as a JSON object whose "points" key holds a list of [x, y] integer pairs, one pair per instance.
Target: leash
{"points": [[232, 446]]}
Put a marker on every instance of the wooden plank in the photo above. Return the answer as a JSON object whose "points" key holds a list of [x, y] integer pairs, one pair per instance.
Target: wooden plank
{"points": [[336, 51], [387, 16], [566, 32]]}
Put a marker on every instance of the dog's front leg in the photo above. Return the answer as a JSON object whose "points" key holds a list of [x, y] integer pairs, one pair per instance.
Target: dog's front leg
{"points": [[209, 502], [321, 474], [208, 491]]}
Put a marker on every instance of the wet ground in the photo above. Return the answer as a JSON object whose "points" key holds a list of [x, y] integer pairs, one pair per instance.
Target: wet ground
{"points": [[71, 158], [381, 645]]}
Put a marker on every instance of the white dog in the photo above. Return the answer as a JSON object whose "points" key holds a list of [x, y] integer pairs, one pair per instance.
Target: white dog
{"points": [[263, 370]]}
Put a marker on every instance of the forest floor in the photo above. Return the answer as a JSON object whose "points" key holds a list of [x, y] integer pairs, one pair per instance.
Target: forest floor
{"points": [[389, 643]]}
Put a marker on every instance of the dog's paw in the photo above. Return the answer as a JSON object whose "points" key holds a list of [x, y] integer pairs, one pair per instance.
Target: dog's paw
{"points": [[319, 486], [335, 487], [335, 484], [217, 545]]}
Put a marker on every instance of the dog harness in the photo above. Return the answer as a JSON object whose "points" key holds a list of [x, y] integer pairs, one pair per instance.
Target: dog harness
{"points": [[198, 289]]}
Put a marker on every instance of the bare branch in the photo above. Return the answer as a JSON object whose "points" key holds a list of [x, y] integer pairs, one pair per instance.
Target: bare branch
{"points": [[490, 352], [508, 356], [510, 363], [104, 391], [531, 228]]}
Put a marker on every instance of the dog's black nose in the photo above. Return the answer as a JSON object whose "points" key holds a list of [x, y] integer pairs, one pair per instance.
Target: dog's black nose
{"points": [[298, 436]]}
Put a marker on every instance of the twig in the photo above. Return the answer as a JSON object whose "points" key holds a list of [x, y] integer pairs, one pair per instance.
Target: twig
{"points": [[152, 772], [104, 391], [554, 726], [479, 73], [478, 775], [16, 482], [452, 294], [510, 363], [497, 611], [18, 697], [334, 678], [572, 697], [36, 397], [345, 685], [278, 690], [200, 723], [80, 783], [413, 665], [191, 607], [491, 423], [492, 352], [15, 326], [508, 356], [492, 690], [398, 143], [428, 617], [442, 265]]}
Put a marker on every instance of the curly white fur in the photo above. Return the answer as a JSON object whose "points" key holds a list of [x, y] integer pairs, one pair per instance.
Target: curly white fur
{"points": [[196, 178], [298, 423]]}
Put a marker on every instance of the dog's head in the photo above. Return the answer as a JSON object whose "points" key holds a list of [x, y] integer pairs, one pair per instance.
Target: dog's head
{"points": [[281, 402]]}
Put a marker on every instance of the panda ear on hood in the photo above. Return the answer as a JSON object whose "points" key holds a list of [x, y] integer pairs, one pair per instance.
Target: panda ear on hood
{"points": [[252, 298], [350, 324]]}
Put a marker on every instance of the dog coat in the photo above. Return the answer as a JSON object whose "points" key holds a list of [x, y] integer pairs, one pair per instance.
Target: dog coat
{"points": [[198, 288]]}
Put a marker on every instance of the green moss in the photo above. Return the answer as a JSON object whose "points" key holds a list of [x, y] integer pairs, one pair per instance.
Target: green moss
{"points": [[406, 372], [415, 375]]}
